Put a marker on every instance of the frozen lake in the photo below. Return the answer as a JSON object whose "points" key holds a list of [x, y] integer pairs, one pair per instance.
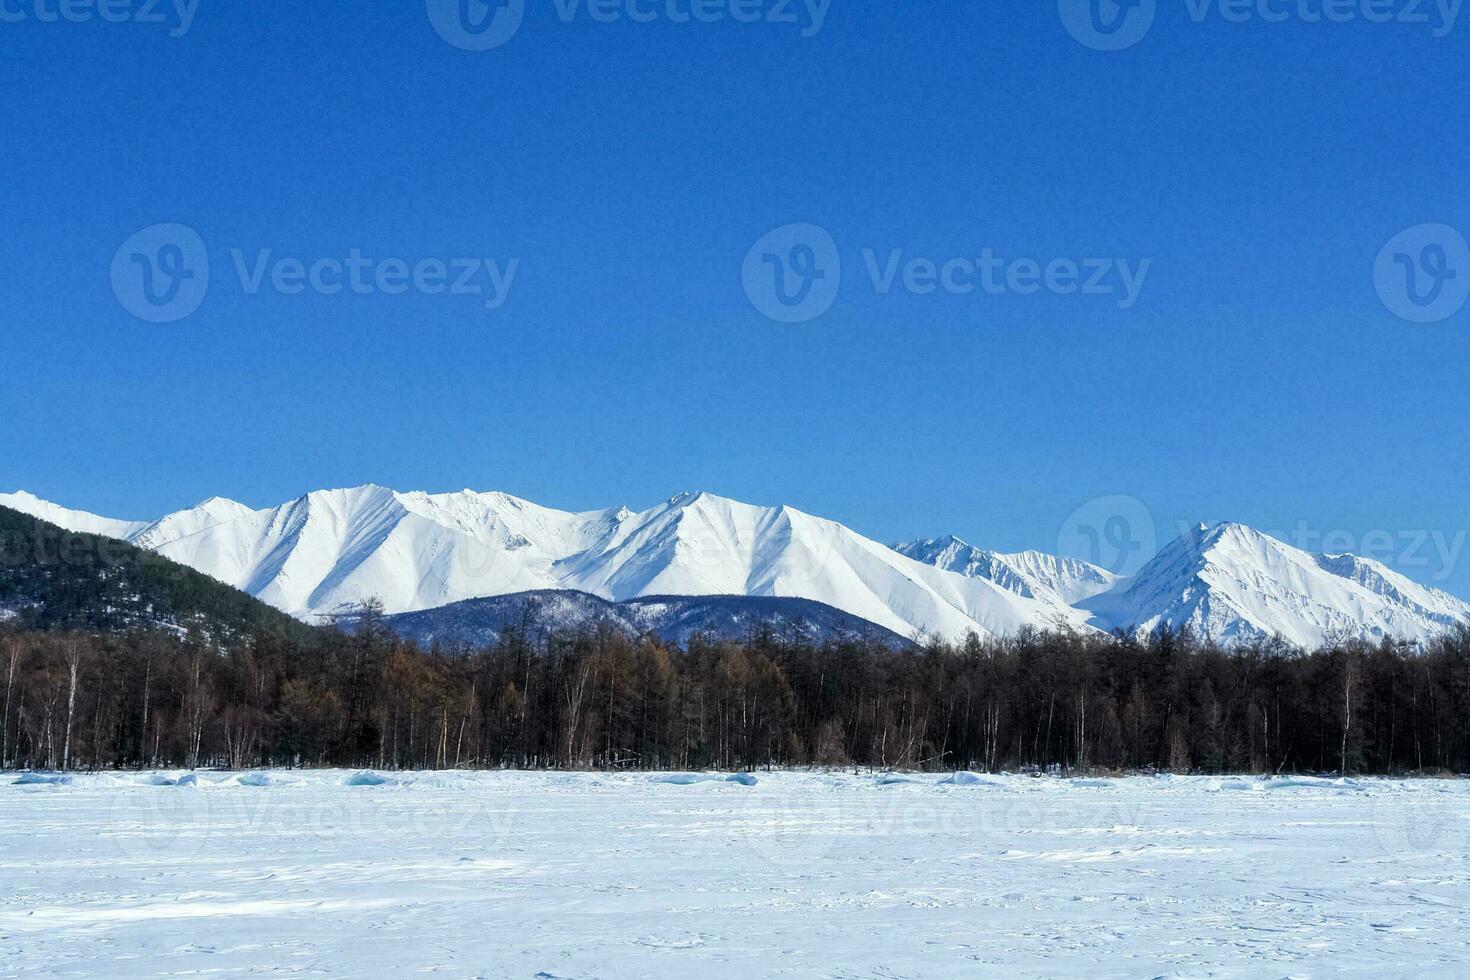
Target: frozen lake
{"points": [[328, 874]]}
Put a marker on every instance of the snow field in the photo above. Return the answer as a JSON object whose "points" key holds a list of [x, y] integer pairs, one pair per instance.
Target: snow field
{"points": [[793, 874]]}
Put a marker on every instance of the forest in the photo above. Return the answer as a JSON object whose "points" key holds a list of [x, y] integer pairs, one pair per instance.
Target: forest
{"points": [[595, 699]]}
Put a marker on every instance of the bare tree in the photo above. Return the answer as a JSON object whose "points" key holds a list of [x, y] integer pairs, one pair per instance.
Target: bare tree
{"points": [[73, 664], [1349, 678], [14, 649]]}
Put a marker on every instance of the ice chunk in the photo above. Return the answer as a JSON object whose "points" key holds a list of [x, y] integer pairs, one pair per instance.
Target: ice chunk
{"points": [[1313, 782], [690, 778], [966, 778], [1238, 783]]}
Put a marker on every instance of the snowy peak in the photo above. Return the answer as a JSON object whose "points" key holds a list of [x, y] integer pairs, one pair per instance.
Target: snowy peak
{"points": [[1033, 574], [204, 515], [702, 544], [948, 552], [1231, 582]]}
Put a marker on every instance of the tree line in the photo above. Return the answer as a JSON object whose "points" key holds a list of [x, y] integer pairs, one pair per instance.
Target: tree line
{"points": [[594, 698]]}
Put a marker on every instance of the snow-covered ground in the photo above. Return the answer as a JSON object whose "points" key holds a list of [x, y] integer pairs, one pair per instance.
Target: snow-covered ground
{"points": [[783, 874]]}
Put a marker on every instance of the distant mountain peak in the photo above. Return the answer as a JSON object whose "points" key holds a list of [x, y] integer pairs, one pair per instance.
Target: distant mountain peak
{"points": [[1059, 581], [1232, 582]]}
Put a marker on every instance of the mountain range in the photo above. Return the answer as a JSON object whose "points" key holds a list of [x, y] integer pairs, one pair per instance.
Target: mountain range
{"points": [[327, 552]]}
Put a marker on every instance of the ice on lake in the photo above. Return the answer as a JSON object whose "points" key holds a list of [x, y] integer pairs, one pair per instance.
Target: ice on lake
{"points": [[788, 874]]}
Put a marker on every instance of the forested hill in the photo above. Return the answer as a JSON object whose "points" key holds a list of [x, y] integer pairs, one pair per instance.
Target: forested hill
{"points": [[54, 579], [675, 620]]}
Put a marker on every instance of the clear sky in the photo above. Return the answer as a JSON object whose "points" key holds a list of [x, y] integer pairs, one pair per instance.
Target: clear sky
{"points": [[618, 173]]}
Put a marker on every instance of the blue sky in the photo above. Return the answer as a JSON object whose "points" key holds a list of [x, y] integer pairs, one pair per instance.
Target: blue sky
{"points": [[623, 170]]}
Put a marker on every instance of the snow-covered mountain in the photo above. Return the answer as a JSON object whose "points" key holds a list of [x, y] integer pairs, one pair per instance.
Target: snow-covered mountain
{"points": [[1033, 574], [1234, 583], [328, 551]]}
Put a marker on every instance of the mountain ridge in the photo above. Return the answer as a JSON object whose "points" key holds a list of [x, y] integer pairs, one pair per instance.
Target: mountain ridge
{"points": [[329, 551]]}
